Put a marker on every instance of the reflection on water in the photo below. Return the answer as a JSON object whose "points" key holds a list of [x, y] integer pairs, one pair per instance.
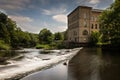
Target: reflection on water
{"points": [[92, 64], [58, 72], [88, 64]]}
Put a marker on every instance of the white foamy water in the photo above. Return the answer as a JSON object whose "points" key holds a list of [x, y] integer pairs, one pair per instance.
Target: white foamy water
{"points": [[33, 61]]}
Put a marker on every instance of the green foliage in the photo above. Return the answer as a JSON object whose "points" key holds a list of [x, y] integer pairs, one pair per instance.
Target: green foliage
{"points": [[96, 38], [65, 35], [110, 24], [50, 41], [60, 44], [3, 18], [43, 46], [57, 44], [4, 34], [58, 36], [45, 36], [14, 36], [4, 46]]}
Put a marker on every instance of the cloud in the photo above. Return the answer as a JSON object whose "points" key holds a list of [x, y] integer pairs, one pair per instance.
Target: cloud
{"points": [[59, 28], [20, 19], [25, 23], [3, 11], [53, 27], [13, 4], [29, 27], [94, 1], [88, 1], [60, 18], [53, 11]]}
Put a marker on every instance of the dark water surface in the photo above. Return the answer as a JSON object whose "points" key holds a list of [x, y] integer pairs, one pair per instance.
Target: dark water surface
{"points": [[58, 72], [88, 64]]}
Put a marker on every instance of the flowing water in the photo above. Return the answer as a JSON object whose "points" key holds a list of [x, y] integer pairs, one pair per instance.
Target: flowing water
{"points": [[88, 64], [18, 63]]}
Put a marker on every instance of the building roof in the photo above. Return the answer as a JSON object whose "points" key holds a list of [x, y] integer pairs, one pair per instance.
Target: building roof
{"points": [[78, 8], [94, 10], [85, 7], [97, 10]]}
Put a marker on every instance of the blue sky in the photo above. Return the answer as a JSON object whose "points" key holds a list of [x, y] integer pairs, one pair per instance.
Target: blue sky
{"points": [[34, 15]]}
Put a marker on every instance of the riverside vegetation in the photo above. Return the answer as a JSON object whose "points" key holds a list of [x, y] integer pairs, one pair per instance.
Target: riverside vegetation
{"points": [[109, 35], [12, 37]]}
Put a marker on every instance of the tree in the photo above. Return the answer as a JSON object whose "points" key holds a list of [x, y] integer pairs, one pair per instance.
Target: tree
{"points": [[66, 35], [58, 36], [4, 33], [96, 38], [45, 36], [14, 36], [33, 39], [3, 18], [110, 24]]}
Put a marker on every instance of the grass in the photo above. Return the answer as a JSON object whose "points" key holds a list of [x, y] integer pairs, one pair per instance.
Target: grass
{"points": [[54, 45], [42, 46]]}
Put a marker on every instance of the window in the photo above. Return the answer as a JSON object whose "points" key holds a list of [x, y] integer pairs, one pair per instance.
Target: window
{"points": [[85, 32], [85, 23], [92, 26], [95, 26], [74, 33], [92, 18], [95, 18], [75, 39]]}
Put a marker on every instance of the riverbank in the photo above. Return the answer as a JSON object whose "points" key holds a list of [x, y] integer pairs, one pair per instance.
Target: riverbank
{"points": [[15, 73]]}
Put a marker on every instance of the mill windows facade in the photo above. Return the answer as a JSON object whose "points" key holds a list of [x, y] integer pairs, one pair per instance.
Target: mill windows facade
{"points": [[81, 22]]}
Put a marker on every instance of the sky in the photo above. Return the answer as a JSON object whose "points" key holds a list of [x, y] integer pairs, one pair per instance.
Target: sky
{"points": [[34, 15]]}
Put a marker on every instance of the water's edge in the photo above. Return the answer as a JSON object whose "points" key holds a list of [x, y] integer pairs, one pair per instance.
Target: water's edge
{"points": [[49, 64]]}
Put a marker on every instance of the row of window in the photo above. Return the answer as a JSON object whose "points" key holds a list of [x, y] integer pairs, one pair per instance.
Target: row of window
{"points": [[73, 18], [94, 26], [93, 18], [85, 32]]}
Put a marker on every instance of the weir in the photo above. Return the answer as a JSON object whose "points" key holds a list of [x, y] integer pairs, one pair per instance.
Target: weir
{"points": [[32, 63]]}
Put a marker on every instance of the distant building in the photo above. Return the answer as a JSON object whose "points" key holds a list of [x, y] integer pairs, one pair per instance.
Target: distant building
{"points": [[81, 22]]}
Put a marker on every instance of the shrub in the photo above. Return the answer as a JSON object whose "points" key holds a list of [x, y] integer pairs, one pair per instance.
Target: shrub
{"points": [[4, 46]]}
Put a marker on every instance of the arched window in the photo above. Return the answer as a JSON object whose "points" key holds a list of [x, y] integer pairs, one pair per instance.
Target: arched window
{"points": [[85, 32]]}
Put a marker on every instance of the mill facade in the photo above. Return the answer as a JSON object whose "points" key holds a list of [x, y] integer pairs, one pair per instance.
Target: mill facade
{"points": [[81, 22]]}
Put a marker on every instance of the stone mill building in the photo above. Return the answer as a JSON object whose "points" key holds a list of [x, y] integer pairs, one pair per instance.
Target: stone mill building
{"points": [[81, 22]]}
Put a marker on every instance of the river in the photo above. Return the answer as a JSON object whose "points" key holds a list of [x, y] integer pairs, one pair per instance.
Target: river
{"points": [[27, 61], [88, 64]]}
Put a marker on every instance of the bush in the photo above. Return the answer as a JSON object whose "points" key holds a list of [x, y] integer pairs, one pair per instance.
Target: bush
{"points": [[4, 46], [42, 46], [57, 44]]}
